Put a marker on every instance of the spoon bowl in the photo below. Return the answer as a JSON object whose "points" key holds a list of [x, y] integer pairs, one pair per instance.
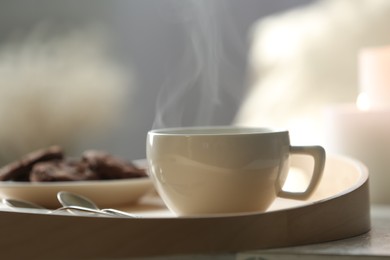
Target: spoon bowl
{"points": [[14, 203], [72, 199]]}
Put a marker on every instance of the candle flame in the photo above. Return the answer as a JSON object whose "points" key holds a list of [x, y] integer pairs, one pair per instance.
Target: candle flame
{"points": [[363, 102]]}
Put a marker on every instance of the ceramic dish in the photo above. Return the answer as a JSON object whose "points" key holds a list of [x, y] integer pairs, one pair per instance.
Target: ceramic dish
{"points": [[106, 193]]}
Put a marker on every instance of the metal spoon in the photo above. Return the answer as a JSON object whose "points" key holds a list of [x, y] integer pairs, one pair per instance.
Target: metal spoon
{"points": [[70, 199], [23, 204], [13, 203]]}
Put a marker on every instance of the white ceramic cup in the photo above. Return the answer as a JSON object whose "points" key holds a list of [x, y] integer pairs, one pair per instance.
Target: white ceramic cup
{"points": [[220, 170]]}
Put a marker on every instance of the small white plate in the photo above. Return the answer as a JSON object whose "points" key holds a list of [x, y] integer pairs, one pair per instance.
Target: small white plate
{"points": [[105, 193]]}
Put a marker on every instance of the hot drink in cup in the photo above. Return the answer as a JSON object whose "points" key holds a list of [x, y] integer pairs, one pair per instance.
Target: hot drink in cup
{"points": [[222, 170]]}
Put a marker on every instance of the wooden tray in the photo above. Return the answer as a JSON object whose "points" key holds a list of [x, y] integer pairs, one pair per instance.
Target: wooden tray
{"points": [[338, 209]]}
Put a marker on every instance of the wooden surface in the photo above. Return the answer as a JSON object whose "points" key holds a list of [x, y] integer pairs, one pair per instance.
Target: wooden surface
{"points": [[374, 244], [333, 213]]}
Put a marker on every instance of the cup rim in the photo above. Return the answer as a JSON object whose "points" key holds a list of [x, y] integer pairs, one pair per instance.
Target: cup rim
{"points": [[215, 130]]}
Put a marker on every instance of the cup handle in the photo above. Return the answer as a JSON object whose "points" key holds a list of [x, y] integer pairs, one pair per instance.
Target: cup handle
{"points": [[319, 156]]}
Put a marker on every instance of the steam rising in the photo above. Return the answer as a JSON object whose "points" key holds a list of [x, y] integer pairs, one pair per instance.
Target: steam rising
{"points": [[192, 94]]}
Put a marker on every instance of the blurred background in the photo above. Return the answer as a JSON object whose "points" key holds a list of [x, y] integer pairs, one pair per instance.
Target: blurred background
{"points": [[94, 74], [99, 74], [90, 74]]}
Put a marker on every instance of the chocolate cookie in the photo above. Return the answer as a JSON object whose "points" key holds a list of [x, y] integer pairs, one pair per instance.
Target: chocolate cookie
{"points": [[61, 171], [107, 166], [20, 170]]}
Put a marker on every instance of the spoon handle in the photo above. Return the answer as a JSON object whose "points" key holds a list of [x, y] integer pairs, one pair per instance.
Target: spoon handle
{"points": [[106, 212], [83, 209], [119, 213]]}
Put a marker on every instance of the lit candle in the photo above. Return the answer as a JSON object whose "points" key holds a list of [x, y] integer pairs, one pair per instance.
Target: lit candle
{"points": [[362, 130], [374, 76]]}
